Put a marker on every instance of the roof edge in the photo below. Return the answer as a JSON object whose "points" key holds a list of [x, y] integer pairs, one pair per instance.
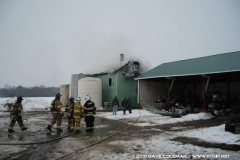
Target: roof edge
{"points": [[199, 57], [186, 75]]}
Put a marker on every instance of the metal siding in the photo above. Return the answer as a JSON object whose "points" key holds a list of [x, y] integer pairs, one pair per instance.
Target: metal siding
{"points": [[126, 88], [107, 90], [205, 65]]}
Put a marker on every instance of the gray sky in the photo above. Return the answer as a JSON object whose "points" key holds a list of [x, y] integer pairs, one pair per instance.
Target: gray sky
{"points": [[44, 42]]}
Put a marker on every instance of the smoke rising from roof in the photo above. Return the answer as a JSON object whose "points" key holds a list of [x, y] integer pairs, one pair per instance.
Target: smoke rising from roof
{"points": [[45, 42], [98, 56]]}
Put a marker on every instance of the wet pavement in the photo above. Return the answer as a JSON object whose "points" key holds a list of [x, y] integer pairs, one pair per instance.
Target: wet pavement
{"points": [[37, 132], [38, 121]]}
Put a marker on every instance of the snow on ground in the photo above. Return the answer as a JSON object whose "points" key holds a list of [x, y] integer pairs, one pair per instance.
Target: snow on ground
{"points": [[215, 134], [160, 144], [149, 119], [212, 134], [29, 103]]}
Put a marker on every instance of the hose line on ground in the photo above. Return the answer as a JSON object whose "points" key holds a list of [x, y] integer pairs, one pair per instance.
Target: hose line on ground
{"points": [[95, 143], [30, 143], [72, 153]]}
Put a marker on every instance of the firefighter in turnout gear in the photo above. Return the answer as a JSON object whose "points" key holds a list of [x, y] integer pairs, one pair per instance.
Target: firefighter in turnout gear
{"points": [[77, 114], [89, 111], [57, 114], [17, 116], [69, 109]]}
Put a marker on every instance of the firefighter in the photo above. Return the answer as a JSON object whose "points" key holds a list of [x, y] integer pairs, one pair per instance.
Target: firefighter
{"points": [[77, 114], [89, 111], [17, 116], [57, 114], [68, 109]]}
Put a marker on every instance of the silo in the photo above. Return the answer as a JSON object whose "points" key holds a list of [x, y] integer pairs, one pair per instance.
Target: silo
{"points": [[93, 87], [64, 91], [74, 84]]}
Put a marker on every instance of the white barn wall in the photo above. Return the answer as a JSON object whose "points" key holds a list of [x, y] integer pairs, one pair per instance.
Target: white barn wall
{"points": [[149, 91]]}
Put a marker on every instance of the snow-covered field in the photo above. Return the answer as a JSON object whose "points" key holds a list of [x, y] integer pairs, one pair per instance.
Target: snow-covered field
{"points": [[157, 144], [29, 103]]}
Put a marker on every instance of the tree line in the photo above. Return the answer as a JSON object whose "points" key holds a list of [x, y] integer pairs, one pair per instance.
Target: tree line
{"points": [[36, 91]]}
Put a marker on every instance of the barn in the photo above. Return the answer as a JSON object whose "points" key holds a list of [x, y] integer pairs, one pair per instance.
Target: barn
{"points": [[202, 83]]}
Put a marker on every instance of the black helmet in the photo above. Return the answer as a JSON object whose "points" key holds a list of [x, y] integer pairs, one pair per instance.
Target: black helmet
{"points": [[58, 95], [19, 98]]}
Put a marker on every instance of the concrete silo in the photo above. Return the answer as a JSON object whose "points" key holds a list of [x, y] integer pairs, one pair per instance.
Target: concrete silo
{"points": [[64, 91], [93, 87], [74, 84]]}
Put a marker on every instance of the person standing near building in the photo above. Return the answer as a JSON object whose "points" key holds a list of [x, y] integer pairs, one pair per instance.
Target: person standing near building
{"points": [[115, 104], [124, 105], [57, 114], [89, 111], [69, 109], [129, 105], [77, 114], [16, 115]]}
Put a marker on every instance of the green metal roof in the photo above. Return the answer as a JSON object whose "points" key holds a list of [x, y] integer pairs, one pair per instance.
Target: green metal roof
{"points": [[220, 63]]}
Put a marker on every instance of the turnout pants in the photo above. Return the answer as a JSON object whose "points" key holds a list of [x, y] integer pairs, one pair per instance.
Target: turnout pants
{"points": [[13, 121], [76, 122], [89, 122], [56, 118], [69, 122]]}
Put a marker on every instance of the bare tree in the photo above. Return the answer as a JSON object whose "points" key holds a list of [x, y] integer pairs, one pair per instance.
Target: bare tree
{"points": [[36, 91]]}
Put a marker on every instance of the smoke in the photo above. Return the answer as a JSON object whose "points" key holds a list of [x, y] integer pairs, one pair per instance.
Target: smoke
{"points": [[103, 56], [144, 65]]}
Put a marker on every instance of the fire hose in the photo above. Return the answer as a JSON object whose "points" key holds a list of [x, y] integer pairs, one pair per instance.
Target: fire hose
{"points": [[95, 143], [72, 153], [30, 143]]}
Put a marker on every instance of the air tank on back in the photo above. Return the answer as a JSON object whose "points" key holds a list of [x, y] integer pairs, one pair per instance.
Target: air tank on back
{"points": [[90, 86]]}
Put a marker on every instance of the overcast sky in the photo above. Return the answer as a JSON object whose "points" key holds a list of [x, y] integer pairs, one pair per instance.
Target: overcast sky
{"points": [[45, 42]]}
